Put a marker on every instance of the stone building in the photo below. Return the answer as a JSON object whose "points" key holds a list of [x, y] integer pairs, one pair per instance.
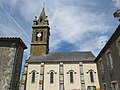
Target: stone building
{"points": [[46, 70], [11, 52], [108, 63]]}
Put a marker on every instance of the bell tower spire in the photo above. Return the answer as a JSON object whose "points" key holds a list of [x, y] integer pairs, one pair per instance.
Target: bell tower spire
{"points": [[40, 35]]}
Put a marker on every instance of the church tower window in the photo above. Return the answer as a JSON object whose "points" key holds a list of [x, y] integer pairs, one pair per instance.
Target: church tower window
{"points": [[41, 19], [39, 36], [33, 77], [36, 36]]}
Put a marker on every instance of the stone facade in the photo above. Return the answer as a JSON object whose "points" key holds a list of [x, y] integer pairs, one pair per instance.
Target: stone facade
{"points": [[108, 63], [11, 52], [61, 81]]}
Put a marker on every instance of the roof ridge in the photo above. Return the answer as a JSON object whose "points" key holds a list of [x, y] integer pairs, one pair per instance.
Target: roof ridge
{"points": [[10, 37], [71, 52]]}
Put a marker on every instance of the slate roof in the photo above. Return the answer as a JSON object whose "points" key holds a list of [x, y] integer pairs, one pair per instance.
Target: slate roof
{"points": [[63, 56], [8, 41]]}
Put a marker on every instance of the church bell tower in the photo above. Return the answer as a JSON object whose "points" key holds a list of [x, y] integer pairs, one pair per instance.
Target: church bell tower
{"points": [[40, 35]]}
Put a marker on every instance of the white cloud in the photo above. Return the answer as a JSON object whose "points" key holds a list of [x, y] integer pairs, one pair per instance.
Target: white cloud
{"points": [[71, 22], [117, 3], [94, 44], [29, 8], [71, 25], [101, 41], [78, 22]]}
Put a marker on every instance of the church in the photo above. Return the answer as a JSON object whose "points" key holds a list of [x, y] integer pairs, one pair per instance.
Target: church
{"points": [[45, 70]]}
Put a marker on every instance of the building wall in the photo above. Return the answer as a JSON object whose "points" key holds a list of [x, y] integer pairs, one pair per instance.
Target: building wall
{"points": [[108, 76], [10, 66], [11, 52], [39, 49], [61, 79], [31, 69], [7, 55], [17, 68], [47, 70], [76, 77], [87, 67], [22, 85]]}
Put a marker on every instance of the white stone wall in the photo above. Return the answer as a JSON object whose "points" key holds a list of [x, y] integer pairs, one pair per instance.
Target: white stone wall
{"points": [[29, 85], [43, 80], [51, 68], [86, 68], [76, 77]]}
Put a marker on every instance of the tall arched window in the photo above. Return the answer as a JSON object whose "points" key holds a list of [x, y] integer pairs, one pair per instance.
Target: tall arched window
{"points": [[33, 77], [91, 76], [51, 77], [36, 36], [71, 77], [41, 19], [41, 38], [109, 60]]}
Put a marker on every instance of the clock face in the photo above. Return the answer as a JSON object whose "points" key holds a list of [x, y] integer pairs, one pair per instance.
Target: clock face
{"points": [[39, 35]]}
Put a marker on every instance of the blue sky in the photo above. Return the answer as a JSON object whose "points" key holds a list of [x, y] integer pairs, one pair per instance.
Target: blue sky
{"points": [[76, 25]]}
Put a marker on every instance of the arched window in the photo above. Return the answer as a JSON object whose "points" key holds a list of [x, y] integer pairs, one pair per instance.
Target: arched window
{"points": [[51, 77], [33, 77], [41, 19], [36, 36], [109, 60], [71, 77], [91, 76], [41, 38]]}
